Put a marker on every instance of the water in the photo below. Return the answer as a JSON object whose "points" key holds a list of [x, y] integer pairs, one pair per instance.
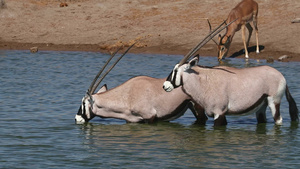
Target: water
{"points": [[40, 95]]}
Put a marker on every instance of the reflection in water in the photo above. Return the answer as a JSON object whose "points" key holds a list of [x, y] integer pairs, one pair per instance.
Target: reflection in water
{"points": [[193, 145]]}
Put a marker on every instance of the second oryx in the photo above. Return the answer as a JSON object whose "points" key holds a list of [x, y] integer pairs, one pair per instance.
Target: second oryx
{"points": [[225, 90]]}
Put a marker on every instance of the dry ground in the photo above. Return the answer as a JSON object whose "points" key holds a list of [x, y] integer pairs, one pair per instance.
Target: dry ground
{"points": [[167, 27]]}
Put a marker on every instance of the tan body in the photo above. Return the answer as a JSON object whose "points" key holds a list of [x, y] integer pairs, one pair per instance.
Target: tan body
{"points": [[140, 99], [245, 12]]}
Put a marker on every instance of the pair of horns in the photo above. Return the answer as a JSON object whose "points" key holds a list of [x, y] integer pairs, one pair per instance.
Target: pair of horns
{"points": [[205, 40], [96, 82]]}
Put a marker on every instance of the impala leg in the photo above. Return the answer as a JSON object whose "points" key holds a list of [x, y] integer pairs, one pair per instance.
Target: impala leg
{"points": [[220, 120], [244, 41], [256, 33], [275, 109], [250, 29]]}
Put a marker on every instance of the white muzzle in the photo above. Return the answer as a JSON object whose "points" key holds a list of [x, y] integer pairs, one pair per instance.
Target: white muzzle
{"points": [[168, 86], [79, 119]]}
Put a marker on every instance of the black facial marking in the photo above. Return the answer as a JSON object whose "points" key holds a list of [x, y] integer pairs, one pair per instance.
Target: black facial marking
{"points": [[174, 77], [81, 112], [169, 77]]}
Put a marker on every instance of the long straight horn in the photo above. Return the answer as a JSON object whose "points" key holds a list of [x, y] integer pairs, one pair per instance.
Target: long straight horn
{"points": [[99, 81], [204, 41], [99, 73]]}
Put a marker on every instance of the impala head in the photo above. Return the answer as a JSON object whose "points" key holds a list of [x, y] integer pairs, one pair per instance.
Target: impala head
{"points": [[174, 79], [85, 112], [223, 46]]}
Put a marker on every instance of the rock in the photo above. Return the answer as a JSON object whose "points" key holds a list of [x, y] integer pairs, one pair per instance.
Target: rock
{"points": [[284, 58], [297, 20], [270, 60], [63, 4], [34, 49], [2, 4]]}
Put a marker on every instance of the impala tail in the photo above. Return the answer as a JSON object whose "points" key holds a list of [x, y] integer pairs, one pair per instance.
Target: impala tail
{"points": [[292, 105]]}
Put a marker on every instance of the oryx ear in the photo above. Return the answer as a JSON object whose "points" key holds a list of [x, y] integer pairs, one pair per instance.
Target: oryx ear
{"points": [[103, 89], [193, 62]]}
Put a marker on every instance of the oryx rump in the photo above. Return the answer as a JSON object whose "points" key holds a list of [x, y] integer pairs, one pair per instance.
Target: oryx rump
{"points": [[225, 90]]}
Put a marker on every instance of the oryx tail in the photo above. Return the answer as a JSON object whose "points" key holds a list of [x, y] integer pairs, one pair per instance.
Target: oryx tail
{"points": [[292, 105]]}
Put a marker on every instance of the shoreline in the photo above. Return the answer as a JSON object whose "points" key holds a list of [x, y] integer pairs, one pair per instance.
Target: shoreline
{"points": [[207, 51], [160, 27]]}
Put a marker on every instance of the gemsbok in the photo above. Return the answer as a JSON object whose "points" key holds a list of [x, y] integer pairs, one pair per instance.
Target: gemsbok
{"points": [[245, 12], [225, 90], [140, 99]]}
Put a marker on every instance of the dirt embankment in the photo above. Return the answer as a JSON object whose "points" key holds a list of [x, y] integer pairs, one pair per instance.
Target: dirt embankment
{"points": [[168, 27]]}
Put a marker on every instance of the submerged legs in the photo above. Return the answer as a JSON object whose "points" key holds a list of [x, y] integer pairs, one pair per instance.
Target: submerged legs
{"points": [[220, 120], [275, 109], [198, 112], [261, 113]]}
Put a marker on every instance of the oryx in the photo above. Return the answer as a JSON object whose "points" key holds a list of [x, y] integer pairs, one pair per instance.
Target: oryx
{"points": [[140, 99], [225, 90]]}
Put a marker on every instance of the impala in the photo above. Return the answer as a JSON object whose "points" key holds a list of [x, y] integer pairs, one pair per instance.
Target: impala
{"points": [[245, 12]]}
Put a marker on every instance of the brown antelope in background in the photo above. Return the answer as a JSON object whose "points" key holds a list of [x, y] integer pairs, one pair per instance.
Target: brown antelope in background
{"points": [[244, 12], [225, 90], [140, 99]]}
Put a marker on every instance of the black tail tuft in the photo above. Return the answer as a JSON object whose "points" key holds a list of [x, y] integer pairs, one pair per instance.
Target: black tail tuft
{"points": [[292, 105]]}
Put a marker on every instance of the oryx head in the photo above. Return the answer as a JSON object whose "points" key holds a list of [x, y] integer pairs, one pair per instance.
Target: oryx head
{"points": [[85, 112], [223, 46], [174, 79]]}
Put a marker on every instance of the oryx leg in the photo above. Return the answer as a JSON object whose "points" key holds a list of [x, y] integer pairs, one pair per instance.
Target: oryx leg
{"points": [[256, 33], [244, 41], [198, 112], [261, 113], [275, 109], [220, 120]]}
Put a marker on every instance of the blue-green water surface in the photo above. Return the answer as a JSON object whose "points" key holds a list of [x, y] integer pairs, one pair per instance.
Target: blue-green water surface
{"points": [[40, 94]]}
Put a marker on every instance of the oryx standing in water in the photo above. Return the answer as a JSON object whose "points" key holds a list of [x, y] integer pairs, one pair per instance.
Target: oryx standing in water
{"points": [[140, 99], [225, 90]]}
